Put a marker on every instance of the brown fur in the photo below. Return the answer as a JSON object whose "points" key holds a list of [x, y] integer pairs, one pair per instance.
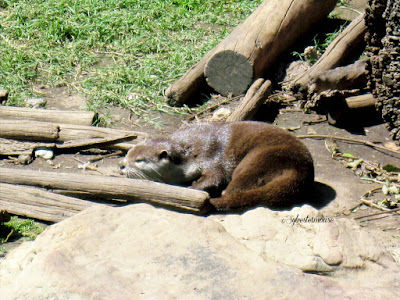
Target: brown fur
{"points": [[251, 162]]}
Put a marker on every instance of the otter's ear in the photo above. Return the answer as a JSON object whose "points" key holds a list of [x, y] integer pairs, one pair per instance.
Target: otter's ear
{"points": [[163, 154]]}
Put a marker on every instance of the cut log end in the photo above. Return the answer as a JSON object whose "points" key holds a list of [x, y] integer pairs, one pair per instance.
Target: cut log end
{"points": [[228, 72]]}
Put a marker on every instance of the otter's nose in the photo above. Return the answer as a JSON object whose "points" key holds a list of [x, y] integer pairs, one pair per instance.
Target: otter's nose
{"points": [[122, 166]]}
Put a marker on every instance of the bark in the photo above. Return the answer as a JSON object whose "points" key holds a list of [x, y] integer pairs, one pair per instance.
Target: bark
{"points": [[44, 115], [342, 111], [29, 130], [252, 101], [251, 48], [36, 203], [13, 147], [75, 135], [353, 76], [383, 48], [337, 52], [70, 132], [95, 142], [361, 101], [103, 187]]}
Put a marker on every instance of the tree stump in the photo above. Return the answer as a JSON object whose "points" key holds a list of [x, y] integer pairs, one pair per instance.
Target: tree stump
{"points": [[383, 47]]}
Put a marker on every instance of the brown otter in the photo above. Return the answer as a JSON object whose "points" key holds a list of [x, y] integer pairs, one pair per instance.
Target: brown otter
{"points": [[253, 163]]}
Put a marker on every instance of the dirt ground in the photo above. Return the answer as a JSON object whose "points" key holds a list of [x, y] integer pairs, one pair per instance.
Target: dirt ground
{"points": [[337, 192]]}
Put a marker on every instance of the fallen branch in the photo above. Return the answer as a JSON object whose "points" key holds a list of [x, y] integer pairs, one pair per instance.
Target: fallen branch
{"points": [[45, 115], [13, 147], [39, 204], [212, 107], [349, 77], [252, 101], [103, 187], [340, 110], [350, 140], [379, 213], [339, 50], [94, 142], [29, 130], [70, 132], [372, 204], [82, 135]]}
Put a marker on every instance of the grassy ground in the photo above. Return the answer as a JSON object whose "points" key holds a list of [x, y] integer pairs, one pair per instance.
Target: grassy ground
{"points": [[17, 228], [115, 52]]}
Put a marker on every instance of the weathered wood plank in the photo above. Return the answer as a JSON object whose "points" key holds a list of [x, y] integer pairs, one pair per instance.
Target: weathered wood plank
{"points": [[133, 190]]}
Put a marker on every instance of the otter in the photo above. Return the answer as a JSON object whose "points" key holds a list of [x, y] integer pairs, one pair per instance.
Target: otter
{"points": [[241, 164]]}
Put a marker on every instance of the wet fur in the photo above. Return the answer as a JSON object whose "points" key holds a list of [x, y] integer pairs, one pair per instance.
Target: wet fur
{"points": [[241, 164]]}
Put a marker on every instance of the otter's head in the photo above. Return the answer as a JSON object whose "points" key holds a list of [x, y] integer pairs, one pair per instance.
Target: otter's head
{"points": [[156, 160]]}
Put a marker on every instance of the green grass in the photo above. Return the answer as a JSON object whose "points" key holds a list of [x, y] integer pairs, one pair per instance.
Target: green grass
{"points": [[115, 52], [23, 227]]}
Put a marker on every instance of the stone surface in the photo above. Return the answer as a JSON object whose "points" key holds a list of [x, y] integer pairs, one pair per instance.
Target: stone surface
{"points": [[140, 252], [305, 239]]}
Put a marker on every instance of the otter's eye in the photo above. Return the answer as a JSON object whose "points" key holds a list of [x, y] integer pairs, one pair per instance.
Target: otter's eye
{"points": [[139, 160]]}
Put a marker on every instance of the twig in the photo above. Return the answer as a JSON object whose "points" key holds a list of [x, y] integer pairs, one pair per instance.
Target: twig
{"points": [[350, 140], [372, 204], [367, 202], [379, 213], [100, 157], [9, 235], [212, 107]]}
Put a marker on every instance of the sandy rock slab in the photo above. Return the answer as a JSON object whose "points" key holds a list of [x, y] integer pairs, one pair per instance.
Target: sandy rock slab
{"points": [[306, 239], [140, 252]]}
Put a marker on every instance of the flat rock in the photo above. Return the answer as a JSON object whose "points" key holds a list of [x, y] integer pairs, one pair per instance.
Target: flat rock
{"points": [[306, 239], [140, 252]]}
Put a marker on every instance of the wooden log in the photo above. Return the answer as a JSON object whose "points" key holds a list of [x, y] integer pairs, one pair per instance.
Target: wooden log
{"points": [[75, 132], [29, 130], [81, 134], [256, 44], [349, 77], [95, 142], [361, 101], [13, 147], [104, 187], [342, 111], [252, 101], [40, 204], [251, 48], [69, 132], [44, 115], [337, 52]]}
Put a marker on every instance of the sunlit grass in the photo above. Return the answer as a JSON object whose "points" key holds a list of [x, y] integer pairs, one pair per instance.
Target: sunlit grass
{"points": [[114, 52]]}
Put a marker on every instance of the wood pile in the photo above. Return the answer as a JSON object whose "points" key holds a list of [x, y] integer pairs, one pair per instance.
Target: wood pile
{"points": [[235, 67], [54, 196], [243, 60]]}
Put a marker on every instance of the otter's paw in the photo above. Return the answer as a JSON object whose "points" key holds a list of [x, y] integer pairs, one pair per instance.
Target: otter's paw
{"points": [[220, 204]]}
